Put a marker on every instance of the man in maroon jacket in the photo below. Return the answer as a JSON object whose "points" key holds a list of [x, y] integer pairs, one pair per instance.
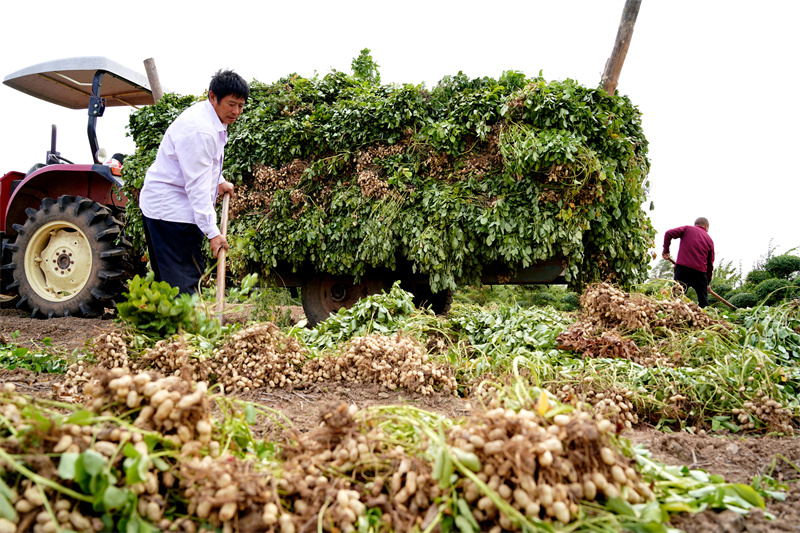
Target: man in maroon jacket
{"points": [[695, 264]]}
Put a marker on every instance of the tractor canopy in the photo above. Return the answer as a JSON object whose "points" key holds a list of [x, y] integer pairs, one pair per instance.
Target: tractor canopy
{"points": [[68, 82]]}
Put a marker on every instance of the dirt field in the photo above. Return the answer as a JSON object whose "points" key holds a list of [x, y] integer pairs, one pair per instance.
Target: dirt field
{"points": [[737, 458]]}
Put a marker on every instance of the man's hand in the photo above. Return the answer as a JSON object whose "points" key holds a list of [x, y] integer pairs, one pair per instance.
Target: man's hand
{"points": [[666, 256], [224, 187], [218, 243]]}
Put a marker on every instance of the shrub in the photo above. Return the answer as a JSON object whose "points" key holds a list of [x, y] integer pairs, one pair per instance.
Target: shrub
{"points": [[570, 301], [783, 266], [754, 277], [723, 288], [772, 290], [744, 299], [542, 299]]}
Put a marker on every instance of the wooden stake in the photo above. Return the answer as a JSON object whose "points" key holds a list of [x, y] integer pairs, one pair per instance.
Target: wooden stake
{"points": [[226, 198], [623, 41], [152, 77]]}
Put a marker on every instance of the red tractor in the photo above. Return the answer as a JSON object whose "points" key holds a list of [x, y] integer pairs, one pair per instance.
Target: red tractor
{"points": [[63, 248]]}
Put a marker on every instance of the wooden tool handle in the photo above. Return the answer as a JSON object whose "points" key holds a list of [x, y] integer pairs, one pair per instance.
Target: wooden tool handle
{"points": [[226, 198]]}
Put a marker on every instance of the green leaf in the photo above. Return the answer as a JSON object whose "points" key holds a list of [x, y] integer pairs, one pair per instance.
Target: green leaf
{"points": [[115, 497], [749, 494], [463, 524], [80, 418], [7, 510], [620, 506], [135, 469], [464, 510], [67, 465], [93, 462], [151, 441], [646, 527], [5, 490], [130, 451], [250, 413], [160, 464]]}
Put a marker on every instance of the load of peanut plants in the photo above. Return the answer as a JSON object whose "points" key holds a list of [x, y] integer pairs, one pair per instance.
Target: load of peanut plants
{"points": [[342, 174]]}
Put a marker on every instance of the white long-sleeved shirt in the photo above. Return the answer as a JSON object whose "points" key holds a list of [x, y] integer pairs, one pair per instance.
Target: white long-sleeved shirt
{"points": [[181, 185]]}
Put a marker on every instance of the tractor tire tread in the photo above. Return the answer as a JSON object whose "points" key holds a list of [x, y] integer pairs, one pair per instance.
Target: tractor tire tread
{"points": [[103, 282]]}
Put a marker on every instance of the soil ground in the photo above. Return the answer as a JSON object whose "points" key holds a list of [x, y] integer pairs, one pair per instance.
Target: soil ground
{"points": [[737, 458]]}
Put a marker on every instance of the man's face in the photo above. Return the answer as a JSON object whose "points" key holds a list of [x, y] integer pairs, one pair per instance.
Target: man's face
{"points": [[228, 108]]}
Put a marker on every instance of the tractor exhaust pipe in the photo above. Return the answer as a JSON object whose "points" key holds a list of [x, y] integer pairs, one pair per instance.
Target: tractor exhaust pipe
{"points": [[52, 155]]}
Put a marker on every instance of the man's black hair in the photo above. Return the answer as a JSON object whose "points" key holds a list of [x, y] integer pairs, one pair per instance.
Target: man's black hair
{"points": [[227, 82]]}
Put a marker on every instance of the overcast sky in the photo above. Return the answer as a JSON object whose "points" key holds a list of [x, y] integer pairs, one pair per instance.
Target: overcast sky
{"points": [[718, 82]]}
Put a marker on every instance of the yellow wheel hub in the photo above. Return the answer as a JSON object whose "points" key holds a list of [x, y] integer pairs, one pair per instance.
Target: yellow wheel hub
{"points": [[58, 261]]}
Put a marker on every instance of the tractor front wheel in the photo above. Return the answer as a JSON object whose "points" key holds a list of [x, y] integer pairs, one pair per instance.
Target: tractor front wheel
{"points": [[68, 259]]}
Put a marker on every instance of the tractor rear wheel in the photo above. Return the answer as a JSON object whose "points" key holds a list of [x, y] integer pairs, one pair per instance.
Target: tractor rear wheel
{"points": [[69, 258], [325, 294]]}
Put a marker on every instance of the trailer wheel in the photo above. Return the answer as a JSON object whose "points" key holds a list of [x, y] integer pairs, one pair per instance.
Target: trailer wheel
{"points": [[325, 294], [68, 258], [438, 302]]}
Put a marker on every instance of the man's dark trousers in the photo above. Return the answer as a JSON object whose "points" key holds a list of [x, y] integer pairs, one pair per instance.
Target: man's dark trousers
{"points": [[175, 250], [695, 279]]}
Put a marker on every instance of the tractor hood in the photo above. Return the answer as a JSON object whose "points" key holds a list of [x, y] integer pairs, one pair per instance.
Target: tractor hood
{"points": [[68, 82]]}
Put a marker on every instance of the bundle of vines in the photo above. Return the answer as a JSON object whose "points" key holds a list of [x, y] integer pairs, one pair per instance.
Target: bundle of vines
{"points": [[342, 174]]}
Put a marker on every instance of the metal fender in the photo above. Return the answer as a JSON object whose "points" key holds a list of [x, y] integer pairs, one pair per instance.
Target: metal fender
{"points": [[95, 182]]}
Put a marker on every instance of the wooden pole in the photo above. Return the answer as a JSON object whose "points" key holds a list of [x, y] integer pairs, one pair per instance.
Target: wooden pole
{"points": [[226, 198], [152, 77], [623, 41]]}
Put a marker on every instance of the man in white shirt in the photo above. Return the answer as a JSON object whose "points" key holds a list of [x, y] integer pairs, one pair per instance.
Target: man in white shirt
{"points": [[182, 185]]}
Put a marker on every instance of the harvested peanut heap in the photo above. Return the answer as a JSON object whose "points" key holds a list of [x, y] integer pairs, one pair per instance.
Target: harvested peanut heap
{"points": [[258, 356], [110, 351], [261, 356], [543, 470], [176, 408], [608, 307], [394, 362], [580, 338], [332, 475], [612, 403], [225, 492], [155, 415], [177, 411], [28, 501], [607, 344], [369, 178], [341, 469], [172, 357], [769, 412], [266, 180]]}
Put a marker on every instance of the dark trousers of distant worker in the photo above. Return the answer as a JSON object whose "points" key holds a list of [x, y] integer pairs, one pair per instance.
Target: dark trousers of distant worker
{"points": [[689, 277], [175, 250]]}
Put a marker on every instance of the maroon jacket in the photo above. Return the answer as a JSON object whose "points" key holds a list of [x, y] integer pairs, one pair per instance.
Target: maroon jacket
{"points": [[696, 250]]}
